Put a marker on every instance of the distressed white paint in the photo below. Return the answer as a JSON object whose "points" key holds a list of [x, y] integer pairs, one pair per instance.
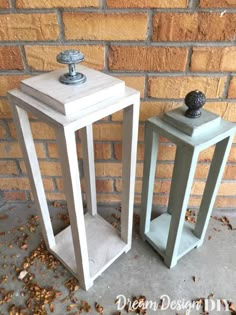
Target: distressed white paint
{"points": [[69, 99], [90, 244]]}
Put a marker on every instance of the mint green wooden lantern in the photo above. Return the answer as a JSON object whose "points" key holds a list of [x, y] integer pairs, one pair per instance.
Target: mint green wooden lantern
{"points": [[192, 131]]}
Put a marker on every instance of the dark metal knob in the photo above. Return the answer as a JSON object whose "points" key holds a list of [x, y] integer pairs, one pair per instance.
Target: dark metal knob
{"points": [[71, 57], [194, 100]]}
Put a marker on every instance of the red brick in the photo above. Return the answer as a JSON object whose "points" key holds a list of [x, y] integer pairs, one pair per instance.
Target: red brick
{"points": [[15, 195], [147, 4], [230, 172], [4, 4], [218, 4], [5, 111], [143, 58], [29, 27], [232, 155], [55, 196], [108, 169], [8, 167], [104, 26], [225, 110], [2, 132], [12, 150], [59, 184], [102, 151], [104, 185], [107, 131], [165, 152], [226, 188], [162, 200], [162, 187], [225, 202], [166, 170], [43, 58], [135, 82], [10, 58], [206, 59], [178, 87], [35, 4], [22, 183], [108, 198], [194, 27], [9, 82], [232, 88], [40, 130], [46, 168], [149, 109], [53, 150]]}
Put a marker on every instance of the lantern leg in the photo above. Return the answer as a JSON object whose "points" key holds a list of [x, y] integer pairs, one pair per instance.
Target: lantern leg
{"points": [[129, 155], [24, 133], [183, 175], [149, 170], [219, 160], [70, 170], [89, 168]]}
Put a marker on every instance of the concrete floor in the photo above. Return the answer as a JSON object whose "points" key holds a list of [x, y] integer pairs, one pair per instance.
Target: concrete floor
{"points": [[139, 272]]}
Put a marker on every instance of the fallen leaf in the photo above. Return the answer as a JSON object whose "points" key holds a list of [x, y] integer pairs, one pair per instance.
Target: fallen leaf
{"points": [[22, 274], [51, 307], [232, 307], [211, 295], [99, 308], [3, 217]]}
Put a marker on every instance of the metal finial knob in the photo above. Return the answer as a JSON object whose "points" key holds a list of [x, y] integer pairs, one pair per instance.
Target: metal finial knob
{"points": [[71, 57], [194, 100]]}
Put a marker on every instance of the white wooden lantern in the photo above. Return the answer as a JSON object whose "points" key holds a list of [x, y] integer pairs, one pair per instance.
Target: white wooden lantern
{"points": [[90, 244]]}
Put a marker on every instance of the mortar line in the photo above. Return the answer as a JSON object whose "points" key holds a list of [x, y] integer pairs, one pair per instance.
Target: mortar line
{"points": [[103, 4], [227, 84], [188, 63], [149, 27], [61, 26], [104, 9], [6, 129], [122, 43], [17, 161], [24, 58], [28, 11], [194, 5], [106, 56], [132, 73]]}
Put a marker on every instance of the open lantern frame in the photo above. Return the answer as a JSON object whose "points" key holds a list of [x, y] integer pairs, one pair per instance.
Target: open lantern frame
{"points": [[90, 244], [169, 234]]}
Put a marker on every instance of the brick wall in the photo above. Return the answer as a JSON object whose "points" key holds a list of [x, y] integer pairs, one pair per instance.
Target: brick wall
{"points": [[164, 48]]}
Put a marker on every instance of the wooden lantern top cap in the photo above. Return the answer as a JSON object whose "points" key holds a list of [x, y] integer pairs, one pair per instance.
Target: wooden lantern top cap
{"points": [[192, 121], [70, 99]]}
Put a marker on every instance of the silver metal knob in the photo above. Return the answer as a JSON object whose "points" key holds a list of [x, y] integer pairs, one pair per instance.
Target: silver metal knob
{"points": [[71, 57]]}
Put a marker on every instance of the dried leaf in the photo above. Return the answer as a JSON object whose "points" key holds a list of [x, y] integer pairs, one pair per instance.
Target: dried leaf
{"points": [[3, 216], [24, 246], [99, 308], [211, 295], [51, 307], [232, 307], [22, 274], [72, 284]]}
